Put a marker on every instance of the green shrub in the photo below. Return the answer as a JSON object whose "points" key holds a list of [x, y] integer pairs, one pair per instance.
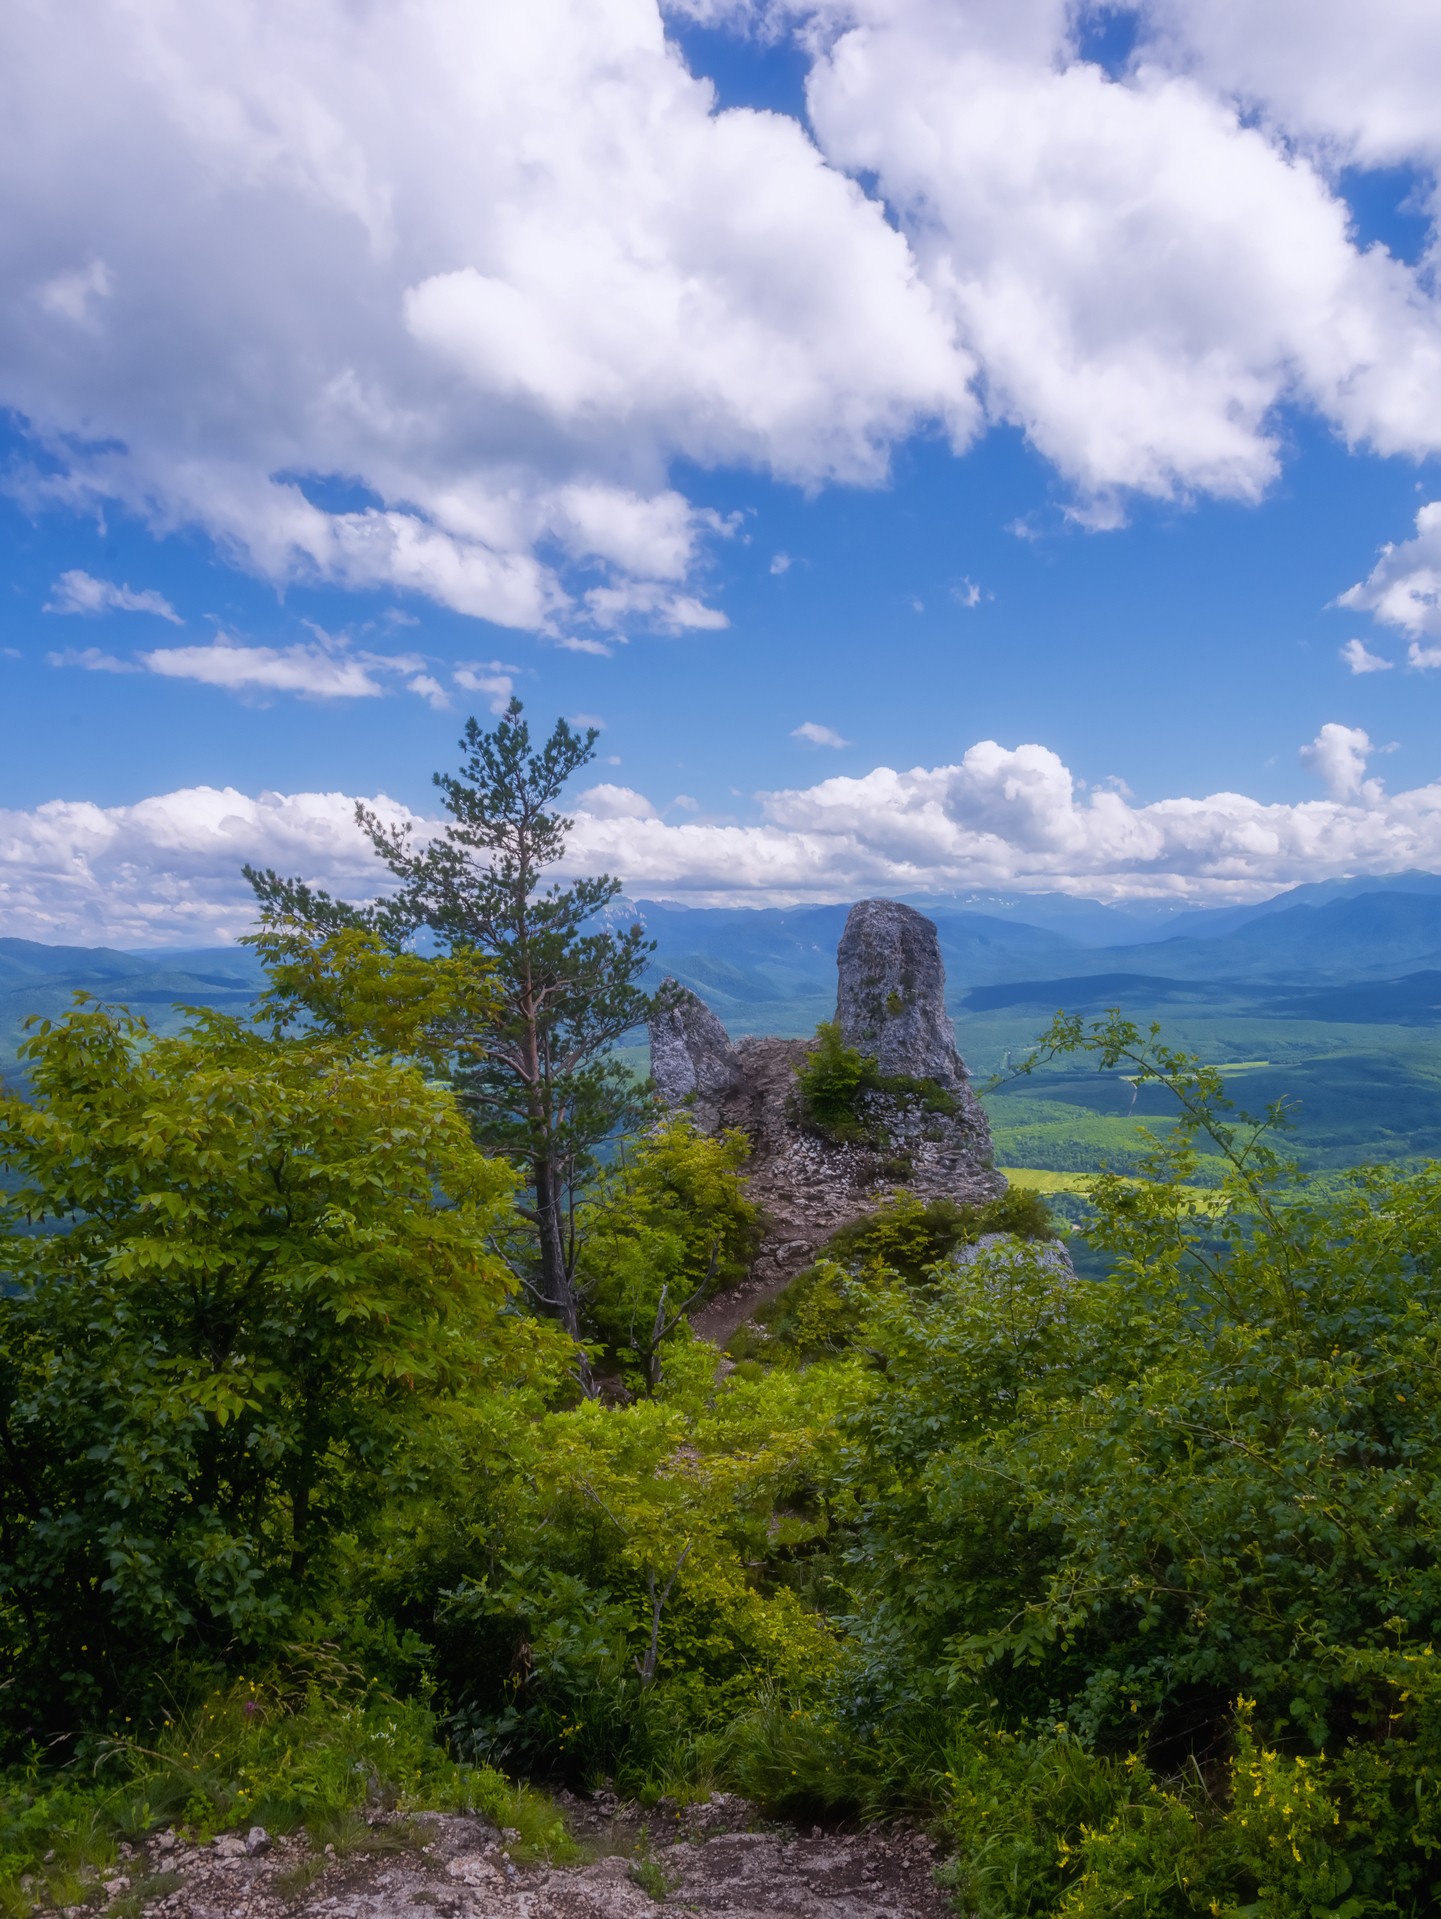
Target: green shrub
{"points": [[823, 1308], [909, 1236], [830, 1083], [666, 1227], [1119, 1507], [261, 1262]]}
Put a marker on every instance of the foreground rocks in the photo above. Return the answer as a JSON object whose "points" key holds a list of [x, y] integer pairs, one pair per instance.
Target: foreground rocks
{"points": [[716, 1858], [890, 1004]]}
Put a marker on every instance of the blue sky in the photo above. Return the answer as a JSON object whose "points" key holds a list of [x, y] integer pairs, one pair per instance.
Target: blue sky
{"points": [[1023, 465]]}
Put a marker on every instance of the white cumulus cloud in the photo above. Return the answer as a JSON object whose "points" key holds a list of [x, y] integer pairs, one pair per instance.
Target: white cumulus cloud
{"points": [[322, 672], [495, 267], [608, 802], [493, 680], [1403, 589], [168, 868], [1361, 80], [1143, 271], [508, 272], [1338, 757], [328, 669], [1359, 657], [80, 592], [814, 734]]}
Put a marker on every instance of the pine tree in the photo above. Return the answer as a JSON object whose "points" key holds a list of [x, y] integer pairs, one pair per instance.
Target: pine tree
{"points": [[542, 1085]]}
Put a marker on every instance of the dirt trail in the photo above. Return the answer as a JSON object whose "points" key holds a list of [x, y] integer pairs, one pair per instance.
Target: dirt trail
{"points": [[716, 1858]]}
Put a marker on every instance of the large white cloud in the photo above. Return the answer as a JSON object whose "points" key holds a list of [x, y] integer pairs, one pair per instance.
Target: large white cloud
{"points": [[1360, 81], [494, 267], [168, 869], [1403, 589], [1143, 274], [498, 270]]}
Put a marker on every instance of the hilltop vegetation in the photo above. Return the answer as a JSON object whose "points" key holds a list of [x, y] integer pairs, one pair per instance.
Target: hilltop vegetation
{"points": [[317, 1492]]}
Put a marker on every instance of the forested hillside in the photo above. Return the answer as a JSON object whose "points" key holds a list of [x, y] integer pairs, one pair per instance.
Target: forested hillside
{"points": [[1332, 1004], [360, 1460]]}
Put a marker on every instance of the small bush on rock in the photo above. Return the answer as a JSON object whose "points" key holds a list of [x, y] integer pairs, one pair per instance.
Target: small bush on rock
{"points": [[830, 1085]]}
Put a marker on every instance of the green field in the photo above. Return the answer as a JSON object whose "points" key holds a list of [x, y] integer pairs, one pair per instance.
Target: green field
{"points": [[1353, 1093], [1039, 1180]]}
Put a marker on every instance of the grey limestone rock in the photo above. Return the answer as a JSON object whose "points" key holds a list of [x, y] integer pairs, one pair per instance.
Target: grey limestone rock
{"points": [[691, 1058], [891, 995], [807, 1186]]}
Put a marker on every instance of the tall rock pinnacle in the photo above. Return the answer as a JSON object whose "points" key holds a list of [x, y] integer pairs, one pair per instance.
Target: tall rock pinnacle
{"points": [[891, 993]]}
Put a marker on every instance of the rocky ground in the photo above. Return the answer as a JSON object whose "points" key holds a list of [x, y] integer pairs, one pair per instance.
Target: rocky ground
{"points": [[719, 1858]]}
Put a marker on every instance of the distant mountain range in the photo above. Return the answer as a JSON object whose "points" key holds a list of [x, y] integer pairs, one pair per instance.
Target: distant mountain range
{"points": [[774, 970], [1346, 950], [38, 981]]}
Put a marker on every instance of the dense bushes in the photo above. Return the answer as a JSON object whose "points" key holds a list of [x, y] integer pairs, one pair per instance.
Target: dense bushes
{"points": [[1156, 1557], [259, 1262], [668, 1225], [826, 1306], [1128, 1585]]}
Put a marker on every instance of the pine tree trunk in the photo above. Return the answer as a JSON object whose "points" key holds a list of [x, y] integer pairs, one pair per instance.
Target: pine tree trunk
{"points": [[557, 1288]]}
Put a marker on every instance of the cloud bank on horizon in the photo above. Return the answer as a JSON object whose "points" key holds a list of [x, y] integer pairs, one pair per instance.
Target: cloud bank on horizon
{"points": [[167, 870], [499, 272]]}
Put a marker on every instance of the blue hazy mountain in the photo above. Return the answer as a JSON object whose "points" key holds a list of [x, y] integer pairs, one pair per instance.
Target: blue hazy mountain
{"points": [[1208, 923], [1133, 922], [39, 981], [773, 970], [1307, 953], [1370, 935]]}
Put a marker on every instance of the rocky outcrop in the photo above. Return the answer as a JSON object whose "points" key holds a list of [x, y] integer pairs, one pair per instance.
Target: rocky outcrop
{"points": [[934, 1141], [891, 993], [692, 1060]]}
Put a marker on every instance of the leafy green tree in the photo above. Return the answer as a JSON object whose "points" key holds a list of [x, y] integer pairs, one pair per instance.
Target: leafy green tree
{"points": [[1160, 1550], [539, 1076], [239, 1269], [350, 985], [667, 1226], [610, 1603]]}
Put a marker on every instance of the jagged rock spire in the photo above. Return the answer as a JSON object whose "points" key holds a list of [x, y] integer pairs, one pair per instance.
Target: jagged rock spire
{"points": [[891, 992], [891, 1003]]}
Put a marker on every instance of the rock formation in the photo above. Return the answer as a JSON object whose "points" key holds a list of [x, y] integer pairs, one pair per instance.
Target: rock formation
{"points": [[890, 1004], [692, 1060], [891, 997], [721, 1858]]}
